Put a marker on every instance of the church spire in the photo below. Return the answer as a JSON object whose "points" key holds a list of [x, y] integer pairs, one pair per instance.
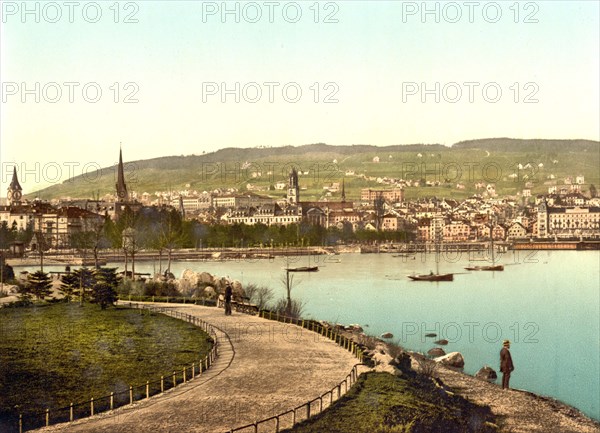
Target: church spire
{"points": [[122, 195], [14, 192], [343, 190]]}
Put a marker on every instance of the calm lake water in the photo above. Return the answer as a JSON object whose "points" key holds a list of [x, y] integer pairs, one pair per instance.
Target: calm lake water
{"points": [[547, 303]]}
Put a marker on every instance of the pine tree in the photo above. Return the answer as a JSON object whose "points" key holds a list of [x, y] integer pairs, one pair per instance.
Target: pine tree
{"points": [[85, 280], [104, 291], [69, 284], [39, 284]]}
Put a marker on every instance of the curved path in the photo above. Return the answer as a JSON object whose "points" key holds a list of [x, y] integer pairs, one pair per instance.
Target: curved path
{"points": [[263, 368]]}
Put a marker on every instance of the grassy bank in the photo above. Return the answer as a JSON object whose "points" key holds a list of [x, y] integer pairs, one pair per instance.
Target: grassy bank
{"points": [[382, 403], [55, 354]]}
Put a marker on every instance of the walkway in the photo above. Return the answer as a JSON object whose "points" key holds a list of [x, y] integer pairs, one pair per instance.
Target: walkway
{"points": [[263, 368]]}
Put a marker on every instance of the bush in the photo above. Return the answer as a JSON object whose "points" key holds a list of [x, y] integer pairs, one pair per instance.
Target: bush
{"points": [[295, 312]]}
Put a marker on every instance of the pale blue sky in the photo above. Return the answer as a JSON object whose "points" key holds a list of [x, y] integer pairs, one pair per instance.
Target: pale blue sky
{"points": [[370, 54]]}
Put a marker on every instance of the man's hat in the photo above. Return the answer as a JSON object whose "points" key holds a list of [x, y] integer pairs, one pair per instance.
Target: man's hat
{"points": [[506, 342]]}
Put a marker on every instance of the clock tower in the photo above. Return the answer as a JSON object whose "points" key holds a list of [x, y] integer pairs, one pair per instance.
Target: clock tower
{"points": [[14, 192]]}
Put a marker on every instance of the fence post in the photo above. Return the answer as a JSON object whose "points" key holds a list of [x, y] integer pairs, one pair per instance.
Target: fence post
{"points": [[330, 397], [255, 427], [174, 379], [184, 378], [162, 384], [294, 418], [130, 394], [47, 417], [320, 404], [92, 407], [112, 400], [20, 423], [193, 370], [147, 389], [71, 412], [206, 362], [308, 410], [277, 424]]}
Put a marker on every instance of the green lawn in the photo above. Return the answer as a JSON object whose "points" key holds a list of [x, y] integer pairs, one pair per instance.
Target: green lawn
{"points": [[382, 403], [52, 355]]}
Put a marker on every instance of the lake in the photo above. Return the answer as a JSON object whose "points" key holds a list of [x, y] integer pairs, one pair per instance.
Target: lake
{"points": [[546, 302]]}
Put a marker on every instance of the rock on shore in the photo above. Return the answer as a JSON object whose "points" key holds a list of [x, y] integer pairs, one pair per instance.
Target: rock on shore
{"points": [[453, 359]]}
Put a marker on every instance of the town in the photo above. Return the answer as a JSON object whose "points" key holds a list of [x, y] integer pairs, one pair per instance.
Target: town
{"points": [[566, 213]]}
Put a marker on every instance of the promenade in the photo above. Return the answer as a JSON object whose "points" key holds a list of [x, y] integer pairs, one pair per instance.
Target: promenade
{"points": [[264, 368]]}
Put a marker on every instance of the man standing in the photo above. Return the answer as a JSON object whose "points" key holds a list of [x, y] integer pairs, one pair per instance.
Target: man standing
{"points": [[506, 364], [228, 294]]}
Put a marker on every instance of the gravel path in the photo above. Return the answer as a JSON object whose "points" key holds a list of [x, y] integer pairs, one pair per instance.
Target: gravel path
{"points": [[263, 368], [519, 411]]}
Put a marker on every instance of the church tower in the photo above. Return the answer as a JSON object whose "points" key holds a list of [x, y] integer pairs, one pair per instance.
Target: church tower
{"points": [[293, 194], [122, 194], [14, 192], [343, 190]]}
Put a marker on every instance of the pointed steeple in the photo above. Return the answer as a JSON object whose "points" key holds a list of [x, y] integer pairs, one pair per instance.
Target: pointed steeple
{"points": [[343, 190], [122, 195], [14, 191]]}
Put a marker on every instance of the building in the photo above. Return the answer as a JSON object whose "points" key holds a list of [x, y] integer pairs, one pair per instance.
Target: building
{"points": [[568, 222], [516, 231], [395, 195]]}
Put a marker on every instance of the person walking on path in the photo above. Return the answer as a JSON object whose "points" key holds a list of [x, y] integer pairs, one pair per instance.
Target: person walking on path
{"points": [[506, 364], [228, 294]]}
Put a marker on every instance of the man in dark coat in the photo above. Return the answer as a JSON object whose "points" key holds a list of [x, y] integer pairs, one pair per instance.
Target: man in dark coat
{"points": [[228, 294], [506, 364]]}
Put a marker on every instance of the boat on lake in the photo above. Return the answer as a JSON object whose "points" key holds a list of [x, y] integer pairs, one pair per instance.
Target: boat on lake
{"points": [[432, 277], [303, 269]]}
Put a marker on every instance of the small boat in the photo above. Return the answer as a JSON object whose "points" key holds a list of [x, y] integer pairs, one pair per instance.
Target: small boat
{"points": [[304, 269], [485, 268], [432, 277]]}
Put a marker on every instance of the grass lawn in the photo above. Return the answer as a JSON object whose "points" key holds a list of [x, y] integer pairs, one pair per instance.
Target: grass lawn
{"points": [[382, 403], [55, 354]]}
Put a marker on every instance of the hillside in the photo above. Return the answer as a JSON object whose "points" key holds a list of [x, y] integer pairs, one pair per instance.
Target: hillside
{"points": [[511, 164]]}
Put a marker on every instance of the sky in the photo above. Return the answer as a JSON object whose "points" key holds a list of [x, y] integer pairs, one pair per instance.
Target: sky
{"points": [[186, 77]]}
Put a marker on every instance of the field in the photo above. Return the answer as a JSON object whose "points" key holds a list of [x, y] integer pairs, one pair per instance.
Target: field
{"points": [[52, 355], [382, 403]]}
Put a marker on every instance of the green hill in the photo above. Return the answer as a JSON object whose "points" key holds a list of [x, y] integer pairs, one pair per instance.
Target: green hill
{"points": [[510, 164]]}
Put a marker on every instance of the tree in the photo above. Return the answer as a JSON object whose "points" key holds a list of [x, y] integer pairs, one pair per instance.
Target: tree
{"points": [[104, 291], [85, 281], [69, 284], [39, 284]]}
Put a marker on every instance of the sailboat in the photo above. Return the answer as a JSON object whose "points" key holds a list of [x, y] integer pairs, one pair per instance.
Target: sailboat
{"points": [[431, 276], [493, 266]]}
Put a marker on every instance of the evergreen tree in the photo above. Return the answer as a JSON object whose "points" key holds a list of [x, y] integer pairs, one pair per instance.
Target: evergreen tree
{"points": [[39, 284], [104, 291], [69, 284], [85, 281]]}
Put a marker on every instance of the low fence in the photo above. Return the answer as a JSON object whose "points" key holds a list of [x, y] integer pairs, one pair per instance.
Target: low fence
{"points": [[127, 396], [319, 328], [170, 300], [290, 418]]}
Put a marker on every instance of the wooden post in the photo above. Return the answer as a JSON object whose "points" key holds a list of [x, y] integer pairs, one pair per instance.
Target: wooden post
{"points": [[130, 394], [174, 379], [184, 378], [147, 389], [308, 410], [320, 404], [71, 412], [20, 423], [47, 417], [294, 418], [193, 370], [277, 424], [206, 363], [162, 384], [92, 407], [255, 426], [330, 397], [112, 400]]}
